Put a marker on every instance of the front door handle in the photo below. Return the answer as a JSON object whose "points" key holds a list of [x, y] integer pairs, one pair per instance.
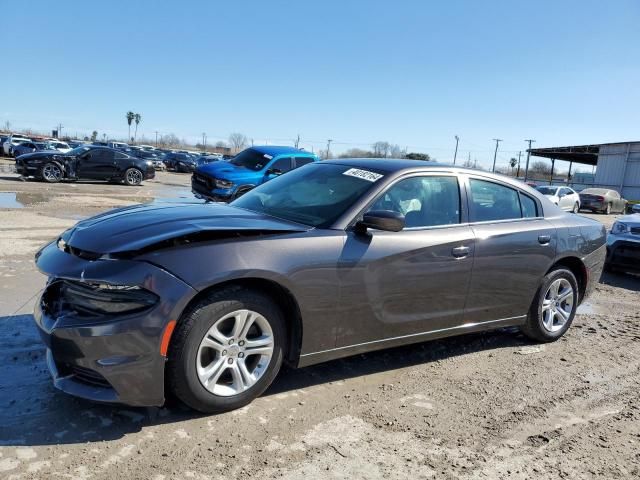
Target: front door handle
{"points": [[544, 239], [460, 252]]}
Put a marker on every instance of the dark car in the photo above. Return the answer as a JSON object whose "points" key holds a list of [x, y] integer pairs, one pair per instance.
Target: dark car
{"points": [[30, 147], [225, 181], [180, 162], [602, 200], [87, 162], [623, 244], [332, 259]]}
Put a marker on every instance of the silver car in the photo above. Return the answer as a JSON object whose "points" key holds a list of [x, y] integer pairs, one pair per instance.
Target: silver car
{"points": [[603, 200], [566, 198]]}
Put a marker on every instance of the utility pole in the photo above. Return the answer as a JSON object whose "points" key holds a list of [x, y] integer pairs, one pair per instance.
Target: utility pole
{"points": [[298, 141], [329, 148], [455, 154], [526, 168], [204, 142], [60, 130], [518, 172], [495, 154], [156, 138]]}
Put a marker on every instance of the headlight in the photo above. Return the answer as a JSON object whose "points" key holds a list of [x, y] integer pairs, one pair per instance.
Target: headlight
{"points": [[149, 163], [620, 228], [223, 183]]}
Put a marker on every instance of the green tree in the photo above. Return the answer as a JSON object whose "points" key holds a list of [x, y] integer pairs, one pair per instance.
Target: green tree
{"points": [[94, 135], [130, 117], [417, 156], [138, 118]]}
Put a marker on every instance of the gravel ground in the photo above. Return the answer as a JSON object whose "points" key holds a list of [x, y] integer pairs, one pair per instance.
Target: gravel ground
{"points": [[489, 405]]}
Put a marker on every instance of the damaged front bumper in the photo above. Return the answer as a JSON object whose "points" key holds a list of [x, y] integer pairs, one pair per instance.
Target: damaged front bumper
{"points": [[94, 350]]}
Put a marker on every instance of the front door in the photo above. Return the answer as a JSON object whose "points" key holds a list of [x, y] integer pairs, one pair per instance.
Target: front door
{"points": [[97, 164], [414, 281]]}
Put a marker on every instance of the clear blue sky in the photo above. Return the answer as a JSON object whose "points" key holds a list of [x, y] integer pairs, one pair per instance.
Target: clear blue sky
{"points": [[414, 73]]}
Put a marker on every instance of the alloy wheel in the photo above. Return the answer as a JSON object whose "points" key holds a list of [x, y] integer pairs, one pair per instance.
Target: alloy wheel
{"points": [[235, 353], [557, 305], [52, 173], [134, 177]]}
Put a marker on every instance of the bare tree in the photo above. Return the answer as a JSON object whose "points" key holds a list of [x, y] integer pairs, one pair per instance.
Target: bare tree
{"points": [[221, 144], [356, 153], [7, 126], [381, 149], [396, 152], [238, 141]]}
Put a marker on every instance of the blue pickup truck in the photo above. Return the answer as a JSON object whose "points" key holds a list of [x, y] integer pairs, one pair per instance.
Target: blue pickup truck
{"points": [[227, 180]]}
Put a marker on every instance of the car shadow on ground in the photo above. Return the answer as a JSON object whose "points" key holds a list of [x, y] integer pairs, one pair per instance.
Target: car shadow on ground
{"points": [[628, 281], [33, 412]]}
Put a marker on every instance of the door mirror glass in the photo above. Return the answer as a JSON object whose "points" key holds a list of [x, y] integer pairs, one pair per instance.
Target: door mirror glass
{"points": [[386, 220]]}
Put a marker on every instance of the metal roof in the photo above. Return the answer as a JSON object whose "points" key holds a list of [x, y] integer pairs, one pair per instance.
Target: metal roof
{"points": [[585, 154]]}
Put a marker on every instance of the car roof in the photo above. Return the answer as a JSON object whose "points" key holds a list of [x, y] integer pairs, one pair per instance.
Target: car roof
{"points": [[274, 150]]}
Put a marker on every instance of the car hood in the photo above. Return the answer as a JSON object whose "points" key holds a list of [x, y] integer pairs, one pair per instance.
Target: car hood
{"points": [[632, 220], [158, 225], [39, 155], [226, 171]]}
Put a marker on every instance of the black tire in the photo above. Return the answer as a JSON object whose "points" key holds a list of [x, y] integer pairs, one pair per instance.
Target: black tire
{"points": [[51, 172], [607, 211], [534, 327], [576, 208], [133, 177], [196, 321], [241, 191]]}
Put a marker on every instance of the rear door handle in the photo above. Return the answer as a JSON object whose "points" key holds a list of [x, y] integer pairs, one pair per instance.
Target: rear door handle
{"points": [[544, 239], [460, 252]]}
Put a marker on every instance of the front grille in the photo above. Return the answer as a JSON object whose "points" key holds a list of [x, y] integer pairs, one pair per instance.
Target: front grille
{"points": [[202, 180], [635, 230]]}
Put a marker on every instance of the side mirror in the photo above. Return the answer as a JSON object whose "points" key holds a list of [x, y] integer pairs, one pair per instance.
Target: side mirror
{"points": [[386, 220], [274, 171]]}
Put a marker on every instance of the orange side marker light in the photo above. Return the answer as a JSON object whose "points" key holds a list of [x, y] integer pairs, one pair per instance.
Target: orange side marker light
{"points": [[166, 337]]}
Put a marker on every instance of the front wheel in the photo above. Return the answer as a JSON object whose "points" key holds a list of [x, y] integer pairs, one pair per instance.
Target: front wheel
{"points": [[553, 307], [576, 208], [133, 177], [227, 349], [607, 210], [51, 173]]}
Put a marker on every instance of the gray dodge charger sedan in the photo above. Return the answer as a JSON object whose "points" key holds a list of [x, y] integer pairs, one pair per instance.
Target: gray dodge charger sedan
{"points": [[333, 259]]}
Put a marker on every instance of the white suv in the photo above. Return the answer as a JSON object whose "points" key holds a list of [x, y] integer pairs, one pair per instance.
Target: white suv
{"points": [[13, 140], [62, 147]]}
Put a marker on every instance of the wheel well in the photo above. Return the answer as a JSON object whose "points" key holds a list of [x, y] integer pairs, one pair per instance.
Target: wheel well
{"points": [[283, 298], [578, 269]]}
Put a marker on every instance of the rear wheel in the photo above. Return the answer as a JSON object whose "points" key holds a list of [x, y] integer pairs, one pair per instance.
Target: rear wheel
{"points": [[51, 172], [226, 350], [133, 177], [553, 307], [607, 210], [576, 208]]}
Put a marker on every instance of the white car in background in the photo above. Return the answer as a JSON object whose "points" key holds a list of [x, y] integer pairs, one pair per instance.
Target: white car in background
{"points": [[13, 140], [566, 198], [62, 147]]}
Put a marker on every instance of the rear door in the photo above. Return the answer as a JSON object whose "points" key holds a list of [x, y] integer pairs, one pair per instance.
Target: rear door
{"points": [[514, 248], [278, 167], [415, 281]]}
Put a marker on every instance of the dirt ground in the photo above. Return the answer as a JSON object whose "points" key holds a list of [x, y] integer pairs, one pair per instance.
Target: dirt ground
{"points": [[489, 405]]}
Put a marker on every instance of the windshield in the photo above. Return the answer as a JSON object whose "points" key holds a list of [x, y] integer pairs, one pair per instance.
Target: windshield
{"points": [[251, 159], [78, 150], [547, 190], [315, 195]]}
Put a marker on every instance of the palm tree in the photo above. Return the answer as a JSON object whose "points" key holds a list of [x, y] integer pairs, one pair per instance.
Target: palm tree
{"points": [[137, 117], [130, 117]]}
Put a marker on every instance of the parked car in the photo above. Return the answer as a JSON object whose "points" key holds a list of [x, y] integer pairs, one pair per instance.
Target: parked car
{"points": [[91, 162], [118, 145], [172, 160], [12, 141], [635, 208], [205, 159], [30, 147], [75, 143], [62, 147], [566, 198], [225, 181], [332, 259], [602, 200], [623, 244]]}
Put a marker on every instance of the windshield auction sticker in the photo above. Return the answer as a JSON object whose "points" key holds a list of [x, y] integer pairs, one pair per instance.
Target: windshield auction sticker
{"points": [[363, 174]]}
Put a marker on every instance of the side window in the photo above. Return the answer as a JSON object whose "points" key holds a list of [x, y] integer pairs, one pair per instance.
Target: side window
{"points": [[424, 201], [491, 201], [120, 156], [615, 194], [529, 207], [565, 191], [300, 161], [282, 164]]}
